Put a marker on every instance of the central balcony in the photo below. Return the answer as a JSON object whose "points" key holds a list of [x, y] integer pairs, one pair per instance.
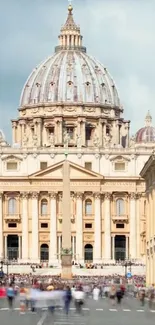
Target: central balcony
{"points": [[118, 218]]}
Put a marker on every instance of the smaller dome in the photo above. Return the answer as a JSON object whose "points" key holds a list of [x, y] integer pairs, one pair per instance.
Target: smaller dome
{"points": [[147, 133]]}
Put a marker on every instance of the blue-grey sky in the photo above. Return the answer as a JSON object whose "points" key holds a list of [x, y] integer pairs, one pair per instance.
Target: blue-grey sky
{"points": [[119, 33]]}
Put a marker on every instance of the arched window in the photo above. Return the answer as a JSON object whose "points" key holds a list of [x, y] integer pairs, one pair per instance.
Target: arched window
{"points": [[120, 207], [12, 206], [88, 207], [43, 207]]}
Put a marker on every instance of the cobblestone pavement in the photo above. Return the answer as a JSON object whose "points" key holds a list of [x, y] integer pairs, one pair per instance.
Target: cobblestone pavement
{"points": [[94, 313]]}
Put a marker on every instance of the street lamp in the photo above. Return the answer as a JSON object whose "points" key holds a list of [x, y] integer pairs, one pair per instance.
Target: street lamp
{"points": [[126, 264]]}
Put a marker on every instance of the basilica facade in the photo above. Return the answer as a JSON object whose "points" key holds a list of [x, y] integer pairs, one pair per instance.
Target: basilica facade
{"points": [[70, 106]]}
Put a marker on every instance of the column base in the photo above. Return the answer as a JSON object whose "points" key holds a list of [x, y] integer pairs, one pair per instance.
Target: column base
{"points": [[66, 272]]}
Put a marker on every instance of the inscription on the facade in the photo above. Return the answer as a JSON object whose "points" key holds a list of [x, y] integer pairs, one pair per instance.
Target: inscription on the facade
{"points": [[119, 184]]}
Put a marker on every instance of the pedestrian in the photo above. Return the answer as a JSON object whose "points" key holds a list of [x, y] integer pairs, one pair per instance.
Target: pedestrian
{"points": [[119, 295], [67, 299], [10, 295], [22, 299]]}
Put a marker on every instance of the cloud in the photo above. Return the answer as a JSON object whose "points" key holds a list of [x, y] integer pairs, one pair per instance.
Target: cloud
{"points": [[119, 33]]}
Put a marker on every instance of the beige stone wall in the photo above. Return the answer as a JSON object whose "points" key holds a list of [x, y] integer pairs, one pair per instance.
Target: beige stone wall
{"points": [[100, 200]]}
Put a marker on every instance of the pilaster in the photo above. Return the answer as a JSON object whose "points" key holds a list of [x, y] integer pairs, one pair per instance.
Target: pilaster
{"points": [[107, 227], [53, 258], [35, 228], [97, 235], [79, 227], [25, 239]]}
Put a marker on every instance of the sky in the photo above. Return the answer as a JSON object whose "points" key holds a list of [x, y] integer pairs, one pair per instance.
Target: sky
{"points": [[119, 33]]}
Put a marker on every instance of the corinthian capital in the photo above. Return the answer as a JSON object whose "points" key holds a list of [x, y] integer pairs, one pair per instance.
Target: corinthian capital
{"points": [[35, 195], [79, 195], [53, 195], [97, 195], [24, 195], [107, 196], [132, 196]]}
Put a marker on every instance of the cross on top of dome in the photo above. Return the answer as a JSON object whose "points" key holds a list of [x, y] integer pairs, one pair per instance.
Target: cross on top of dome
{"points": [[70, 36]]}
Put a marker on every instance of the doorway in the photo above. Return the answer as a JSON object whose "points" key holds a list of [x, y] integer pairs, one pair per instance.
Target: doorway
{"points": [[120, 247], [88, 253], [44, 253], [12, 247]]}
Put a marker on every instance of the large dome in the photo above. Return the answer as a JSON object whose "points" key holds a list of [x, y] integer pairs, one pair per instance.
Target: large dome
{"points": [[70, 75]]}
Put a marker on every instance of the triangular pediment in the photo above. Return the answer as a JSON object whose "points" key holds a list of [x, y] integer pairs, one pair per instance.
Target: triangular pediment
{"points": [[56, 172]]}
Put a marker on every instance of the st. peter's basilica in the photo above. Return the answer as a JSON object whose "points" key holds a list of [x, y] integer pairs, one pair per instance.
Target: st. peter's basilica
{"points": [[70, 103]]}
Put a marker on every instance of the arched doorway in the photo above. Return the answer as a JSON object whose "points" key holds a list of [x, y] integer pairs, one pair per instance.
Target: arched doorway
{"points": [[88, 253], [12, 247], [44, 253], [120, 247]]}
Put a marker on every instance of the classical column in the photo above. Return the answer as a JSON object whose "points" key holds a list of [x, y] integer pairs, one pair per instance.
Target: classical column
{"points": [[35, 228], [97, 234], [113, 247], [138, 242], [19, 247], [1, 225], [107, 227], [83, 133], [133, 226], [79, 227], [100, 129], [53, 228], [6, 247], [59, 247], [127, 247], [25, 239]]}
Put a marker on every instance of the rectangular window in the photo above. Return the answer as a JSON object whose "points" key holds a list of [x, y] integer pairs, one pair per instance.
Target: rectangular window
{"points": [[119, 166], [44, 225], [120, 225], [88, 134], [12, 225], [43, 165], [88, 225], [88, 165], [51, 130], [11, 165]]}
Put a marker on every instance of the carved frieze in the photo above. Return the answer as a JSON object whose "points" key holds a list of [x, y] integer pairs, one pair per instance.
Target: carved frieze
{"points": [[49, 109], [70, 109], [89, 109], [35, 110]]}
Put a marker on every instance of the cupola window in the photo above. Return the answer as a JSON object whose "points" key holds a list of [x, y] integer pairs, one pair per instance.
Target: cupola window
{"points": [[70, 83], [87, 83], [52, 83], [102, 84]]}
